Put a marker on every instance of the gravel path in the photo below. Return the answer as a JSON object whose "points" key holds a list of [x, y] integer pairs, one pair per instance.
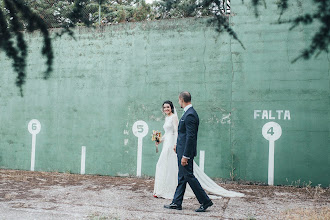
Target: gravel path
{"points": [[41, 195]]}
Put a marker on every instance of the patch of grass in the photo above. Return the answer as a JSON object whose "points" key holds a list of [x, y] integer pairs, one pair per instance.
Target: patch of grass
{"points": [[99, 216], [68, 172], [321, 213], [314, 192]]}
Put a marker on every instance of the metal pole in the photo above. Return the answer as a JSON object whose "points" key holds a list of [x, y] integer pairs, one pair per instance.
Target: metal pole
{"points": [[99, 12]]}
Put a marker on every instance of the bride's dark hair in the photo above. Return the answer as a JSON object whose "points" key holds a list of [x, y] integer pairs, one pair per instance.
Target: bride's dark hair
{"points": [[170, 103]]}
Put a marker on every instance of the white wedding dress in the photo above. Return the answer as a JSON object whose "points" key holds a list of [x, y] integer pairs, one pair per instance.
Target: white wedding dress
{"points": [[166, 176]]}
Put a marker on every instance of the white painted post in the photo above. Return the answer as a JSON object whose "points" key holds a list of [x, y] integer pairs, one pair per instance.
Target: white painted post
{"points": [[34, 128], [33, 151], [201, 159], [83, 160], [139, 158], [140, 129], [271, 156], [271, 132]]}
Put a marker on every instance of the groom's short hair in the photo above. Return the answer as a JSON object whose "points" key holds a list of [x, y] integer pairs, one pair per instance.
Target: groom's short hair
{"points": [[185, 96]]}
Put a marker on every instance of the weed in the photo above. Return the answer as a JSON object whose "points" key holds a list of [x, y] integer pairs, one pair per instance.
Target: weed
{"points": [[99, 216], [232, 174], [307, 213], [318, 191]]}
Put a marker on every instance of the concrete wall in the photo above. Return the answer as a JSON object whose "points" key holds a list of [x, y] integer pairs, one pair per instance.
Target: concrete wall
{"points": [[112, 77], [265, 79]]}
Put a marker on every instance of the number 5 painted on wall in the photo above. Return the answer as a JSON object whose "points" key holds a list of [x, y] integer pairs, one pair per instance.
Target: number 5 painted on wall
{"points": [[140, 129]]}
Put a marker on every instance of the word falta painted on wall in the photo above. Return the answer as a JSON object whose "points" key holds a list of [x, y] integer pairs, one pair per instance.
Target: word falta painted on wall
{"points": [[271, 131], [271, 115]]}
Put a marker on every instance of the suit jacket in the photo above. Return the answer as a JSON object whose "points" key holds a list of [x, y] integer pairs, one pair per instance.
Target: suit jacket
{"points": [[187, 134]]}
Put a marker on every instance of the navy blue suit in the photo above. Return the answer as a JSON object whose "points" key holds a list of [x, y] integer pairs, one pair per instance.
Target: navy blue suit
{"points": [[187, 146]]}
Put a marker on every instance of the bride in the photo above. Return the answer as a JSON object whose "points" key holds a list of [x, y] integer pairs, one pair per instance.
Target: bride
{"points": [[166, 176]]}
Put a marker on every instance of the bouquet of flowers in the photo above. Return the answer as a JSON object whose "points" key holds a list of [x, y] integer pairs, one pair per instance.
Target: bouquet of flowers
{"points": [[156, 136]]}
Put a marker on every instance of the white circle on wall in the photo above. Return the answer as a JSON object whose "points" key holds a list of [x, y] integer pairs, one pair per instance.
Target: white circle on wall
{"points": [[34, 126], [140, 129], [271, 131]]}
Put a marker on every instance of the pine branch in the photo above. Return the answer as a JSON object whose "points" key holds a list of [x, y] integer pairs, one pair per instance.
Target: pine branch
{"points": [[282, 5], [321, 39], [16, 26], [19, 14]]}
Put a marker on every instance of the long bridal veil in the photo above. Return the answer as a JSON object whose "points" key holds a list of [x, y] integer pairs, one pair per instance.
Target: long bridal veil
{"points": [[175, 112], [210, 186]]}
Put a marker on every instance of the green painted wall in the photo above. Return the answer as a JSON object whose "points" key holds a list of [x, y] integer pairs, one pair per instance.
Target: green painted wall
{"points": [[265, 79], [111, 77]]}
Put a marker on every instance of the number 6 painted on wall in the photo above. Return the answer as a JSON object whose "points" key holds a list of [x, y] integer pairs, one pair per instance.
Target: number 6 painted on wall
{"points": [[34, 128]]}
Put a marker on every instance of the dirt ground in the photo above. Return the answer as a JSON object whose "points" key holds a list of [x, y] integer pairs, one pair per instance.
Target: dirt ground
{"points": [[41, 195]]}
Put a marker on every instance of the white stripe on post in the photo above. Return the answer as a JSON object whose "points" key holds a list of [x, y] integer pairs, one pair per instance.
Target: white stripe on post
{"points": [[201, 159], [33, 151], [83, 159]]}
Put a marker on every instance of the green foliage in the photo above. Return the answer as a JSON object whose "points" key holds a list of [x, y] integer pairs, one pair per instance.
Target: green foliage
{"points": [[16, 17], [54, 13], [184, 8], [321, 39], [19, 15], [113, 12]]}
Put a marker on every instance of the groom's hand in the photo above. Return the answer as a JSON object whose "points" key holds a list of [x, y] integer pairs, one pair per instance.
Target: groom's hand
{"points": [[174, 148], [184, 161]]}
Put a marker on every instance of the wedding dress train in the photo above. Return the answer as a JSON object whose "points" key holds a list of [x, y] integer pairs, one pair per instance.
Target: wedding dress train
{"points": [[166, 176]]}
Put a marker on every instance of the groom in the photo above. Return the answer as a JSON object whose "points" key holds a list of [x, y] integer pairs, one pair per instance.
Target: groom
{"points": [[186, 151]]}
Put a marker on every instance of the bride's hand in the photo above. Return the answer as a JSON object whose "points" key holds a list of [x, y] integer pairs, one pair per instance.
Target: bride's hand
{"points": [[174, 148]]}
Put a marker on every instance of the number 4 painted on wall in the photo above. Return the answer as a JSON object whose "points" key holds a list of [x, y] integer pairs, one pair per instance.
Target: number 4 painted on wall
{"points": [[271, 131]]}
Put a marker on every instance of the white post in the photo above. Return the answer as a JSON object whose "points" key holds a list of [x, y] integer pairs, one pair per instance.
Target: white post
{"points": [[33, 151], [201, 159], [271, 132], [83, 160], [271, 163], [34, 128], [140, 129], [139, 157]]}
